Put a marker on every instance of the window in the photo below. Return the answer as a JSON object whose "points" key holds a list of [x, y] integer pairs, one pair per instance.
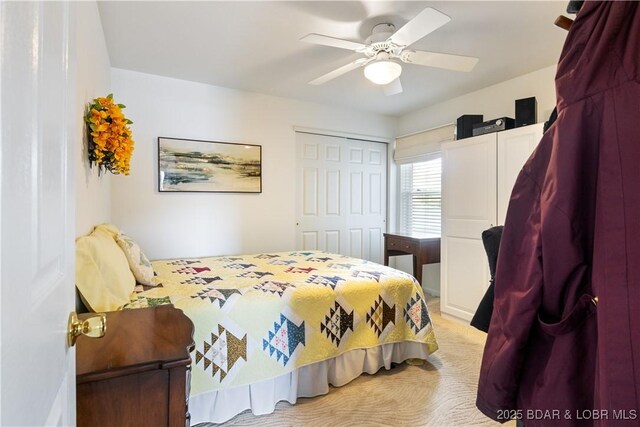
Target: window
{"points": [[420, 197]]}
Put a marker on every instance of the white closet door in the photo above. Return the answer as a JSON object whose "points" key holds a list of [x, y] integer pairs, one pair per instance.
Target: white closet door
{"points": [[341, 195], [468, 208], [514, 148]]}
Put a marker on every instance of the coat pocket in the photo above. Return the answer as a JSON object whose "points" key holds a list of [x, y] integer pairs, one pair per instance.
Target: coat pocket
{"points": [[585, 307]]}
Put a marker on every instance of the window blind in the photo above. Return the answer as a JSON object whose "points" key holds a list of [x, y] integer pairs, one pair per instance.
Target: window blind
{"points": [[420, 197], [420, 146]]}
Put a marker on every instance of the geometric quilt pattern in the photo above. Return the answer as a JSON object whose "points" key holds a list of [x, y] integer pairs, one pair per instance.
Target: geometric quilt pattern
{"points": [[255, 274], [142, 301], [222, 352], [228, 259], [201, 280], [154, 302], [331, 281], [183, 262], [374, 275], [283, 340], [267, 256], [221, 296], [337, 323], [192, 270], [274, 287], [319, 259], [300, 270], [282, 262], [239, 266], [289, 309], [301, 254], [416, 314], [341, 265], [380, 315]]}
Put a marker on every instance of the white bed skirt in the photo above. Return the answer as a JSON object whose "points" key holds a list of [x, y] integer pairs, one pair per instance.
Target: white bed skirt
{"points": [[308, 381]]}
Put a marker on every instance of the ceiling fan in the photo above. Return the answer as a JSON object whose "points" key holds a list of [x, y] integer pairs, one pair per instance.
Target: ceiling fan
{"points": [[386, 46]]}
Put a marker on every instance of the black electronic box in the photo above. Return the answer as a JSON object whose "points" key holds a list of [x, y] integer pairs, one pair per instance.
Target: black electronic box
{"points": [[495, 125]]}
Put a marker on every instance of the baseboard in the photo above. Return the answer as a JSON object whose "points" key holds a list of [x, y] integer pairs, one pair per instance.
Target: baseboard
{"points": [[432, 292]]}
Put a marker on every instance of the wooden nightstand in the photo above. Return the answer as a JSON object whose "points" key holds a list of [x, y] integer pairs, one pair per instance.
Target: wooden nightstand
{"points": [[138, 373]]}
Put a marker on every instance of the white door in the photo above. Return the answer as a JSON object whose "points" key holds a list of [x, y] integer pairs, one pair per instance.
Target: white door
{"points": [[341, 195], [468, 208], [36, 267], [514, 148]]}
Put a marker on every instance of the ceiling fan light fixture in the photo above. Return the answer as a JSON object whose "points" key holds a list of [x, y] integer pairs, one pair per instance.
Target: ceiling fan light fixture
{"points": [[382, 72]]}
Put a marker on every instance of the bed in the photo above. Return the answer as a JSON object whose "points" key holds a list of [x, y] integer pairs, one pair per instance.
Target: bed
{"points": [[278, 326], [268, 327]]}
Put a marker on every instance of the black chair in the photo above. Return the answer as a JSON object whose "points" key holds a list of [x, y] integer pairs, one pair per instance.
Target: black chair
{"points": [[491, 241]]}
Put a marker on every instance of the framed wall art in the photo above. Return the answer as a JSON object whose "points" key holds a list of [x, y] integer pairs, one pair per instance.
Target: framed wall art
{"points": [[189, 165]]}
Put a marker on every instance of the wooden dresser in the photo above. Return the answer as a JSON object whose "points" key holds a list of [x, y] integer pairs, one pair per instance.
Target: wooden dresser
{"points": [[138, 373]]}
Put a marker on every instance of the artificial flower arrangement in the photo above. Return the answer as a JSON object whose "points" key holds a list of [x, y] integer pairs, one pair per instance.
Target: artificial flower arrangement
{"points": [[110, 141]]}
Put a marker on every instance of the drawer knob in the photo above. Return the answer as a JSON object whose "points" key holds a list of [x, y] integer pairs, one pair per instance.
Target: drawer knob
{"points": [[93, 327]]}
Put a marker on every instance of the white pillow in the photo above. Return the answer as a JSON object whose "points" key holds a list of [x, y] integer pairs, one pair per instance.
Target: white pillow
{"points": [[138, 262]]}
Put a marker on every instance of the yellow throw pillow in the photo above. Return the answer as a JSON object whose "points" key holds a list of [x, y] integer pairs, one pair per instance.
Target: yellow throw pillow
{"points": [[138, 261], [103, 276], [107, 228]]}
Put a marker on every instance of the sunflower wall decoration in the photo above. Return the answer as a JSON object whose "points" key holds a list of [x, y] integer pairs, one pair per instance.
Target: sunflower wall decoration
{"points": [[110, 140]]}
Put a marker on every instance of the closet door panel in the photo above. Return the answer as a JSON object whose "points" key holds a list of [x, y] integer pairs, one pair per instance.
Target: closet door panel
{"points": [[341, 195]]}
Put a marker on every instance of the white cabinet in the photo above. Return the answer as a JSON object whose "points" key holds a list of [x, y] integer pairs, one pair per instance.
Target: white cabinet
{"points": [[514, 148], [468, 208], [478, 175]]}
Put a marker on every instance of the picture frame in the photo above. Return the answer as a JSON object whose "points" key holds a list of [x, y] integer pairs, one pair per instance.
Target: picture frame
{"points": [[197, 166]]}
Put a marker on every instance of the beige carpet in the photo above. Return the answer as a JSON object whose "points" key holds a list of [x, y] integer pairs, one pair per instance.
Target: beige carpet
{"points": [[442, 392]]}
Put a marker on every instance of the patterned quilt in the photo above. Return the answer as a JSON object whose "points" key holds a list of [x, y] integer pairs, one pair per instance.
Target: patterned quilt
{"points": [[260, 316]]}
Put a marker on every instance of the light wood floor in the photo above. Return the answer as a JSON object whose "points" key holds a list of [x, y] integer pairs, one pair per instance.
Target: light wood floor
{"points": [[442, 392]]}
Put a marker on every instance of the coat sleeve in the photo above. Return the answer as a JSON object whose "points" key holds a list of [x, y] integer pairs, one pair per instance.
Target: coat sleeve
{"points": [[518, 290]]}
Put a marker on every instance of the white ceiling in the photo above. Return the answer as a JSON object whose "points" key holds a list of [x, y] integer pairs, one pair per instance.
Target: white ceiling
{"points": [[254, 46]]}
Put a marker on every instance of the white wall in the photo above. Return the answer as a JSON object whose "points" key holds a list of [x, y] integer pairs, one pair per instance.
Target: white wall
{"points": [[93, 193], [186, 224], [197, 224], [493, 102]]}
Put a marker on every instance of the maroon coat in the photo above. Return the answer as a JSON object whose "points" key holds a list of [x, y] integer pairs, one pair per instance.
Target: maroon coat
{"points": [[573, 232]]}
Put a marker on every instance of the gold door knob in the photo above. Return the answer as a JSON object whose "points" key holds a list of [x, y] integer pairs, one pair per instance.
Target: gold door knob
{"points": [[94, 327]]}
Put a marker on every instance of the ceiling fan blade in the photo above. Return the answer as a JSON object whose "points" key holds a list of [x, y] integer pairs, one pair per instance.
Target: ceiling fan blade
{"points": [[393, 88], [332, 41], [339, 71], [440, 60], [426, 22]]}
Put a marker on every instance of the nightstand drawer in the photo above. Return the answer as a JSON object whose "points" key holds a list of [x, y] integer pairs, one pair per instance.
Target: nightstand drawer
{"points": [[399, 244]]}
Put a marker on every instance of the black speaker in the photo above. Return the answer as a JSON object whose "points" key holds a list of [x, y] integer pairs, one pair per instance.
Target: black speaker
{"points": [[465, 124], [526, 111]]}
